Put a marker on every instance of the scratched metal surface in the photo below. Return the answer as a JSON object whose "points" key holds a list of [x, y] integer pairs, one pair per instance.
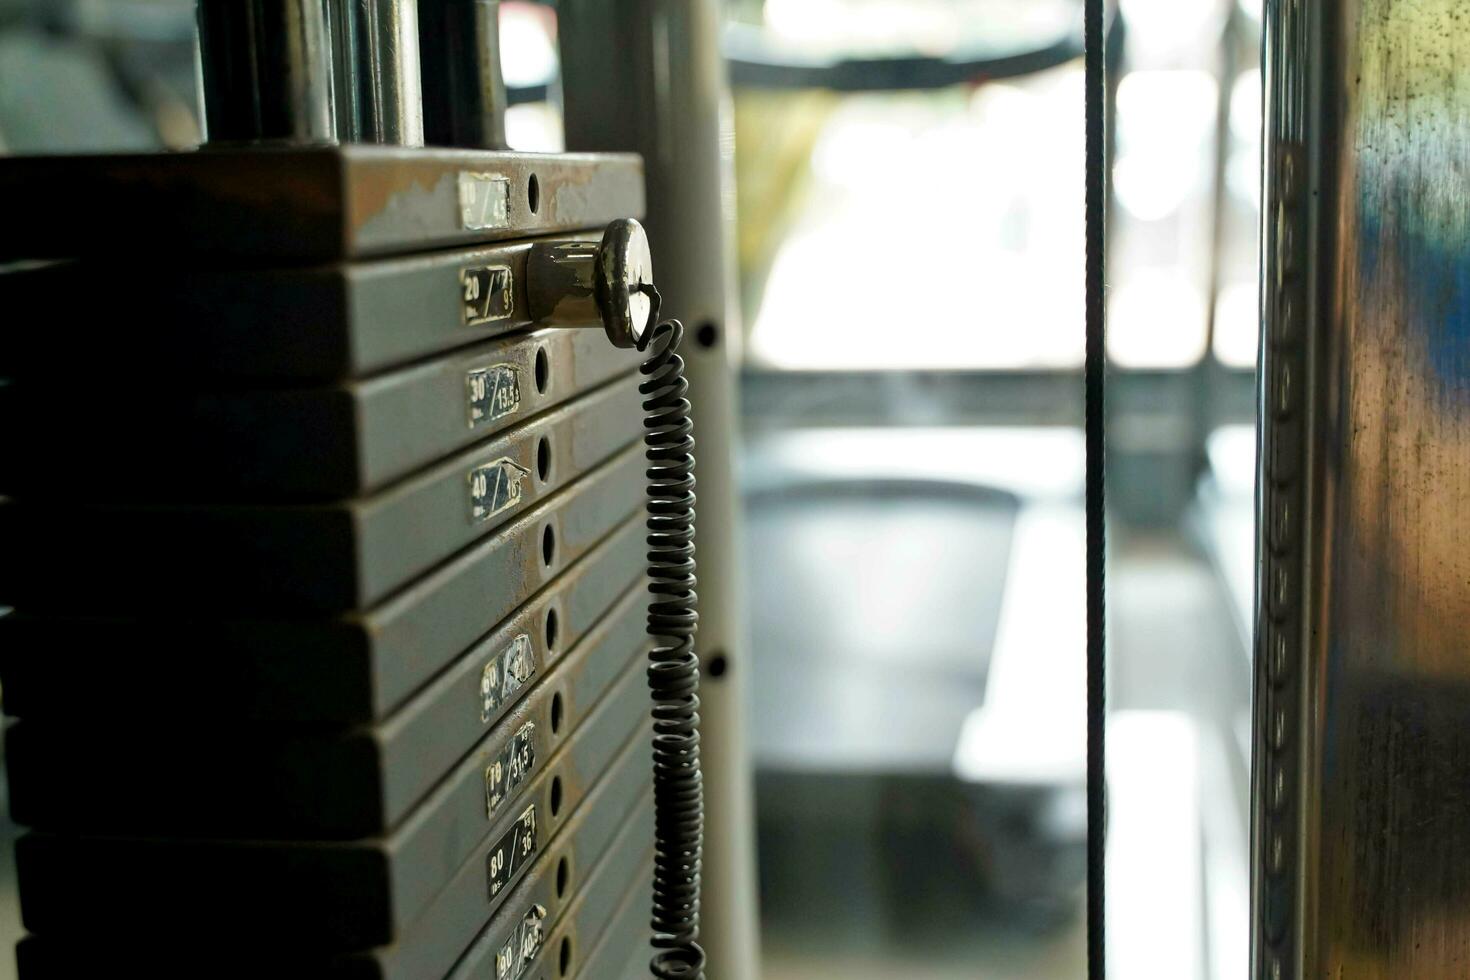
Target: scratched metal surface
{"points": [[1364, 665]]}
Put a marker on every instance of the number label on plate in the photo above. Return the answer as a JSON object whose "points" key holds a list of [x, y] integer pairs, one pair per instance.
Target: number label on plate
{"points": [[505, 674], [492, 393], [496, 487], [512, 852], [511, 768], [488, 295], [523, 945], [484, 201]]}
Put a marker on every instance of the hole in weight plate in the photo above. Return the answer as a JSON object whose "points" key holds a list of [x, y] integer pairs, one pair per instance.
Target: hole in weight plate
{"points": [[543, 459], [533, 194], [551, 628], [548, 545], [556, 796], [565, 963], [561, 877], [543, 371], [556, 712]]}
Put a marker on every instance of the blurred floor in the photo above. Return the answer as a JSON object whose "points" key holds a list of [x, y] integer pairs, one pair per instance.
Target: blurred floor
{"points": [[1177, 665], [992, 952]]}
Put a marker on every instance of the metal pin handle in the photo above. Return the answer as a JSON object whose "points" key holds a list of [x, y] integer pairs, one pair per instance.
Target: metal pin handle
{"points": [[585, 284]]}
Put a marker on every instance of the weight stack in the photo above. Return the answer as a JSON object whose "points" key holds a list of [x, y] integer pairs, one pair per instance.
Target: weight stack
{"points": [[327, 569]]}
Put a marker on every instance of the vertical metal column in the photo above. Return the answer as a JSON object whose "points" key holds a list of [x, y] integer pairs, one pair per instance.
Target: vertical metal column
{"points": [[464, 90], [311, 71], [1362, 743], [648, 75], [268, 70], [378, 81]]}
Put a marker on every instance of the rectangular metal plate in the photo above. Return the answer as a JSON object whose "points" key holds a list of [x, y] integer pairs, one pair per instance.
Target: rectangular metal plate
{"points": [[262, 783], [600, 871], [312, 204], [606, 912], [326, 323], [339, 672], [462, 912], [160, 443], [625, 950], [337, 897], [311, 558], [604, 846]]}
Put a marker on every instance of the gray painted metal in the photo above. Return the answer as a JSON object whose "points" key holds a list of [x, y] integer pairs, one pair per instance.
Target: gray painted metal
{"points": [[371, 660], [600, 916], [1362, 736], [624, 952], [40, 660], [263, 782], [614, 876], [316, 557], [610, 825], [225, 444], [304, 205], [648, 75], [425, 887], [461, 911], [324, 323]]}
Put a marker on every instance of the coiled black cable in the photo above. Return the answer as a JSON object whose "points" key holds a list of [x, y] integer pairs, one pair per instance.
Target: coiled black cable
{"points": [[673, 668]]}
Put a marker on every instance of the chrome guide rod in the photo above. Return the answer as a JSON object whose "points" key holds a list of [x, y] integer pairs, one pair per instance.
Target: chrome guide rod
{"points": [[311, 71], [464, 89], [268, 70]]}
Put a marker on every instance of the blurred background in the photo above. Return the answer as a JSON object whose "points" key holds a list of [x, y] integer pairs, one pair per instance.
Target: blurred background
{"points": [[907, 195]]}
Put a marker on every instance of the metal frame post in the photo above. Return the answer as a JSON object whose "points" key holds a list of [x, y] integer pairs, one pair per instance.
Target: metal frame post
{"points": [[648, 75], [1362, 708]]}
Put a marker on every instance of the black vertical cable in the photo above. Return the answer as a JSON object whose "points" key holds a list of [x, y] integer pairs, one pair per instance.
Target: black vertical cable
{"points": [[1095, 100]]}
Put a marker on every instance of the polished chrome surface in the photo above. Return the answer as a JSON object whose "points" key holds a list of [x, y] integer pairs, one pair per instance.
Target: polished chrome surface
{"points": [[376, 49], [267, 70], [560, 278], [1362, 769], [311, 71], [581, 283], [464, 90]]}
